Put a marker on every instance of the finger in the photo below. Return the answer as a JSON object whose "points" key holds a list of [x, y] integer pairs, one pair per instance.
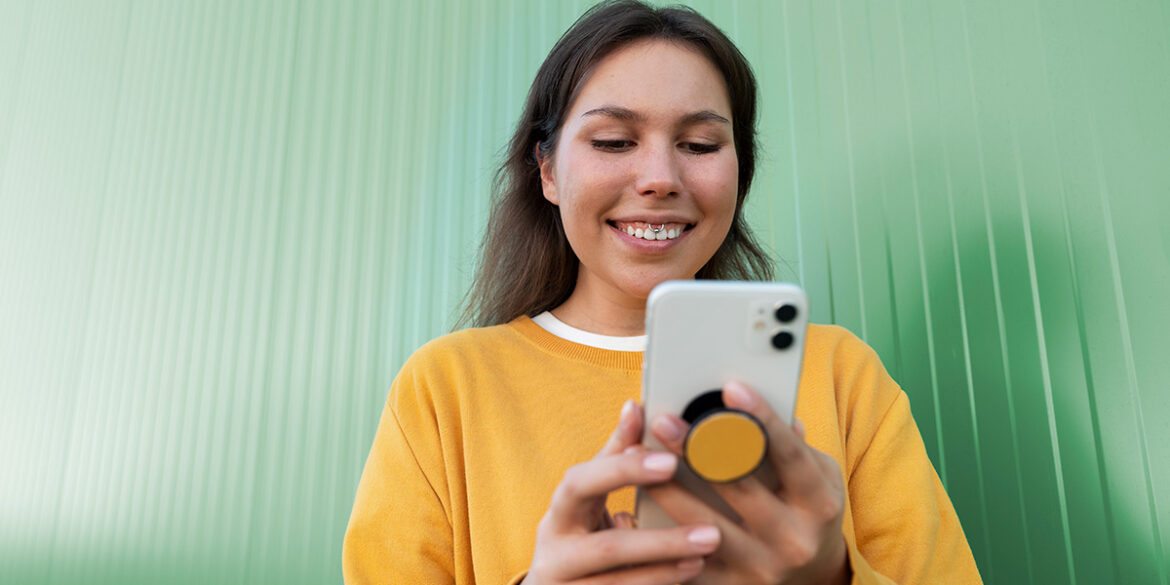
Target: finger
{"points": [[617, 549], [830, 469], [607, 521], [754, 501], [737, 546], [796, 467], [636, 448], [665, 573], [759, 507], [750, 498], [624, 521], [575, 502], [716, 572], [628, 431], [671, 431], [798, 428]]}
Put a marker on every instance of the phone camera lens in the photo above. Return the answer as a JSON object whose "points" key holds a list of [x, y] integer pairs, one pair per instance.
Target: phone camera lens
{"points": [[786, 313], [782, 340]]}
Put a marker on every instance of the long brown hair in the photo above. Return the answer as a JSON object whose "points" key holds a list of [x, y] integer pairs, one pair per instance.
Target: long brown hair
{"points": [[526, 265]]}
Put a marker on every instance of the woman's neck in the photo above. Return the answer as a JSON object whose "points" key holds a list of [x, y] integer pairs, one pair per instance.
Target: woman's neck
{"points": [[602, 314]]}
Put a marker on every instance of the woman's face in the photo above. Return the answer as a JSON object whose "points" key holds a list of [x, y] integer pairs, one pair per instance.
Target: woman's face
{"points": [[646, 147]]}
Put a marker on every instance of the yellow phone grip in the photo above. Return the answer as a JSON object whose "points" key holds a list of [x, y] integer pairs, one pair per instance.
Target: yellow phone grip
{"points": [[725, 445]]}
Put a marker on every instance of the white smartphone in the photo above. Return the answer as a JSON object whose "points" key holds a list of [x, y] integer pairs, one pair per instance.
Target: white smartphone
{"points": [[700, 335]]}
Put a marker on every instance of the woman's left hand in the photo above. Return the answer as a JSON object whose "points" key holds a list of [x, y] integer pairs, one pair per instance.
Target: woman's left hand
{"points": [[790, 536]]}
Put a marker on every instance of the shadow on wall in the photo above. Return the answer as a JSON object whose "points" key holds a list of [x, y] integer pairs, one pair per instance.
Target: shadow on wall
{"points": [[1036, 431]]}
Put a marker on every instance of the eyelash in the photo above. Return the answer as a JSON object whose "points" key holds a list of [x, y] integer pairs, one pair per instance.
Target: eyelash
{"points": [[620, 145], [611, 145], [701, 148]]}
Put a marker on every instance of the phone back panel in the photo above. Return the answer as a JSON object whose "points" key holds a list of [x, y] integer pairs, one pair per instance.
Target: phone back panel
{"points": [[702, 334]]}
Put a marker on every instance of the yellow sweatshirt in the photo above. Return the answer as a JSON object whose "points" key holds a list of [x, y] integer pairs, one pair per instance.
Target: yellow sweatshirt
{"points": [[481, 424]]}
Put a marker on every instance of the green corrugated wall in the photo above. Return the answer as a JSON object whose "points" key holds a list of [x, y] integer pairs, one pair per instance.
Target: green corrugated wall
{"points": [[224, 225]]}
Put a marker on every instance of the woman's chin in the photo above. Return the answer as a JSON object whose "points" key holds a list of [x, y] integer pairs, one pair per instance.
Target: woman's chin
{"points": [[641, 288]]}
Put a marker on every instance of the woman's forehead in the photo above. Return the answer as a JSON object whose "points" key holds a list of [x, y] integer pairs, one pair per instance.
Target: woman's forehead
{"points": [[652, 79]]}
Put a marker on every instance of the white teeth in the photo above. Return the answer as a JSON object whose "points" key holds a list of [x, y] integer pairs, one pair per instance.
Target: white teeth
{"points": [[651, 235]]}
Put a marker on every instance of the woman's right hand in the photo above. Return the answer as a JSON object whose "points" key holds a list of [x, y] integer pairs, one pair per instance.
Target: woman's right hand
{"points": [[577, 541]]}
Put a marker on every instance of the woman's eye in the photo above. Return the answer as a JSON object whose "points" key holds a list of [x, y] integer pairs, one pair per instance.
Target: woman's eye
{"points": [[700, 148], [612, 145]]}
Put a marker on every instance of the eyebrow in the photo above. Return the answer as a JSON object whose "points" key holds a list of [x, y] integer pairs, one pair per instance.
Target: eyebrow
{"points": [[628, 115]]}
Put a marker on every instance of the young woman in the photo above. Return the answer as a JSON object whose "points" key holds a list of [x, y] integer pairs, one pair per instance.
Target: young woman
{"points": [[501, 456]]}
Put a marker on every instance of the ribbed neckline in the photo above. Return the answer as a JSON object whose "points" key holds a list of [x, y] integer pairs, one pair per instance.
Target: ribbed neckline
{"points": [[550, 323], [606, 358]]}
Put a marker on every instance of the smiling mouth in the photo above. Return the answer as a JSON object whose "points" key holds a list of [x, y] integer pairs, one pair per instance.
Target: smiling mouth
{"points": [[651, 232]]}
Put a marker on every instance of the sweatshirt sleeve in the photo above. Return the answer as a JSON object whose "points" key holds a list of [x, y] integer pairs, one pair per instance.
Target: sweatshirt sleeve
{"points": [[399, 530], [904, 526]]}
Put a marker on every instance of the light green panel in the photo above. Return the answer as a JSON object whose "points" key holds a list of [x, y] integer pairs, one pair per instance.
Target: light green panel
{"points": [[224, 225]]}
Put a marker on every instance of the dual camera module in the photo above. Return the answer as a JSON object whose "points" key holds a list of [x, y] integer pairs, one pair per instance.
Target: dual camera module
{"points": [[782, 339]]}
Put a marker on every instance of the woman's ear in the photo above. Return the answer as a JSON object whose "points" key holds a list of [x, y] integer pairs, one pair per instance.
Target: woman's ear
{"points": [[547, 185]]}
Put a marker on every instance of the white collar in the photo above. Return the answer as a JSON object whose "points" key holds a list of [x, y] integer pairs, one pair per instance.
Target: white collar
{"points": [[567, 332]]}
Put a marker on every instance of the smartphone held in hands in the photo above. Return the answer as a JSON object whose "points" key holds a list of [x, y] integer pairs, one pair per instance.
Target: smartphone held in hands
{"points": [[701, 335]]}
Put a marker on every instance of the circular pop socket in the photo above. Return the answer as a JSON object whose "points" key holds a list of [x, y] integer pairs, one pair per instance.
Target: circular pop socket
{"points": [[724, 445]]}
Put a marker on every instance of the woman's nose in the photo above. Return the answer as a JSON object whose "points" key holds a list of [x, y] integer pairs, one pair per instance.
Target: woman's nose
{"points": [[658, 173]]}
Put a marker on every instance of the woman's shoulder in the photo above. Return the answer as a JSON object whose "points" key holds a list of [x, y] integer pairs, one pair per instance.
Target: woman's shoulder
{"points": [[450, 360], [465, 343], [836, 343], [834, 357], [472, 337]]}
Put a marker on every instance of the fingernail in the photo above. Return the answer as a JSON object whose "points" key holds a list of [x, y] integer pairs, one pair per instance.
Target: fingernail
{"points": [[659, 462], [627, 408], [691, 564], [623, 520], [704, 536], [739, 394], [669, 428]]}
